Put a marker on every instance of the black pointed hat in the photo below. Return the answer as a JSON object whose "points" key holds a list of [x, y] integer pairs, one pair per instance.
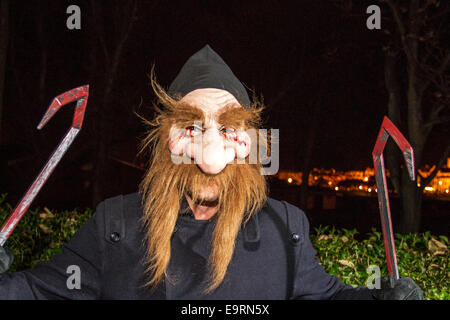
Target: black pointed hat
{"points": [[206, 69]]}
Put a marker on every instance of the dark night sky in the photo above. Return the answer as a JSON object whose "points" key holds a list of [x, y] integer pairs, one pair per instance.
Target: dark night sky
{"points": [[308, 48]]}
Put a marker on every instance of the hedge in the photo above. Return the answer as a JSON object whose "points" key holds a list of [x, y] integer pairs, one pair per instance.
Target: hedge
{"points": [[422, 257]]}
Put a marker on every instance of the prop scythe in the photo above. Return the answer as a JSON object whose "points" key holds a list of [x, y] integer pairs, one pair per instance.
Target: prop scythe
{"points": [[80, 95], [389, 129]]}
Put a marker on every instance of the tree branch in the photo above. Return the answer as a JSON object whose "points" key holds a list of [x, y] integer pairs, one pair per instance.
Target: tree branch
{"points": [[127, 163], [434, 118], [437, 74], [435, 171], [99, 33], [420, 175], [401, 28], [432, 123]]}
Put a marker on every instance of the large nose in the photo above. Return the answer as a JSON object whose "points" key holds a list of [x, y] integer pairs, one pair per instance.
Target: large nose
{"points": [[214, 156]]}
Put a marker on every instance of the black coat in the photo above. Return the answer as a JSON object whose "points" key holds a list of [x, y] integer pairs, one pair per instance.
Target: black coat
{"points": [[273, 259]]}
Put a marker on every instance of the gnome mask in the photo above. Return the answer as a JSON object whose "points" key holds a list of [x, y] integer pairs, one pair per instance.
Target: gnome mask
{"points": [[207, 83], [211, 143], [198, 133]]}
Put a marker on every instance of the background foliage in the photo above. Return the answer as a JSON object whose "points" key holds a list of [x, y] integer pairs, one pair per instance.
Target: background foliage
{"points": [[422, 257], [40, 233]]}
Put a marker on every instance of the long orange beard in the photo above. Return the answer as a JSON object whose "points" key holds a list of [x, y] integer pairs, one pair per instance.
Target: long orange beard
{"points": [[242, 191]]}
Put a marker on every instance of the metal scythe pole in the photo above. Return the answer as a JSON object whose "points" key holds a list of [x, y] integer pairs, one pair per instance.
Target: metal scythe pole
{"points": [[389, 129], [80, 95]]}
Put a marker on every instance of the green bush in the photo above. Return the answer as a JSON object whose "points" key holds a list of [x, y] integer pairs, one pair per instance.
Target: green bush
{"points": [[40, 233], [422, 257]]}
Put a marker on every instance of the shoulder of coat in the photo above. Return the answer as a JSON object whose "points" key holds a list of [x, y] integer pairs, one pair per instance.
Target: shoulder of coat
{"points": [[292, 217], [282, 207], [124, 205]]}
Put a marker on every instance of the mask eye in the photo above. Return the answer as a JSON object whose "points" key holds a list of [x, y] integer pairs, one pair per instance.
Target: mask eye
{"points": [[227, 130], [193, 130]]}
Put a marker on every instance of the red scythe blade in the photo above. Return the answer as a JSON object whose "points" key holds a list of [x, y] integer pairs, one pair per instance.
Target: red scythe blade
{"points": [[389, 129], [80, 95]]}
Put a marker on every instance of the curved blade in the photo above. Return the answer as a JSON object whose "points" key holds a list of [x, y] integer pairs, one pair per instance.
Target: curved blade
{"points": [[389, 129], [80, 94]]}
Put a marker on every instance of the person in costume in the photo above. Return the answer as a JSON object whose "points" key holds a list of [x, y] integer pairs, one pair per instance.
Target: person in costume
{"points": [[202, 225]]}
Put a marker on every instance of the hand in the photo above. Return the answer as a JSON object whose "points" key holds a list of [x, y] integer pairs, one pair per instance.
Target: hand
{"points": [[6, 259], [404, 289]]}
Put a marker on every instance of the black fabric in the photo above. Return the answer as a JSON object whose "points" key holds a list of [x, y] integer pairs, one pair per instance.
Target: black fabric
{"points": [[270, 268], [404, 289], [251, 230], [294, 236], [206, 69], [115, 229]]}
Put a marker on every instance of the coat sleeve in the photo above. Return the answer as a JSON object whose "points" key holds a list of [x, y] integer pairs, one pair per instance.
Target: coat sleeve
{"points": [[75, 273], [312, 282]]}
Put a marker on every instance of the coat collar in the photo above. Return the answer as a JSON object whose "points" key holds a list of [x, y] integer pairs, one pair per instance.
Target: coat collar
{"points": [[251, 230]]}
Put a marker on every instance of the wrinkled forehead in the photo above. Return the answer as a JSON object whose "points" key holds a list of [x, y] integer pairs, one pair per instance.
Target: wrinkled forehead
{"points": [[211, 101]]}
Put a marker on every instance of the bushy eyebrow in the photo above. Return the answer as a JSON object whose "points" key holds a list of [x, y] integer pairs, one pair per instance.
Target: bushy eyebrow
{"points": [[184, 115], [235, 116]]}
